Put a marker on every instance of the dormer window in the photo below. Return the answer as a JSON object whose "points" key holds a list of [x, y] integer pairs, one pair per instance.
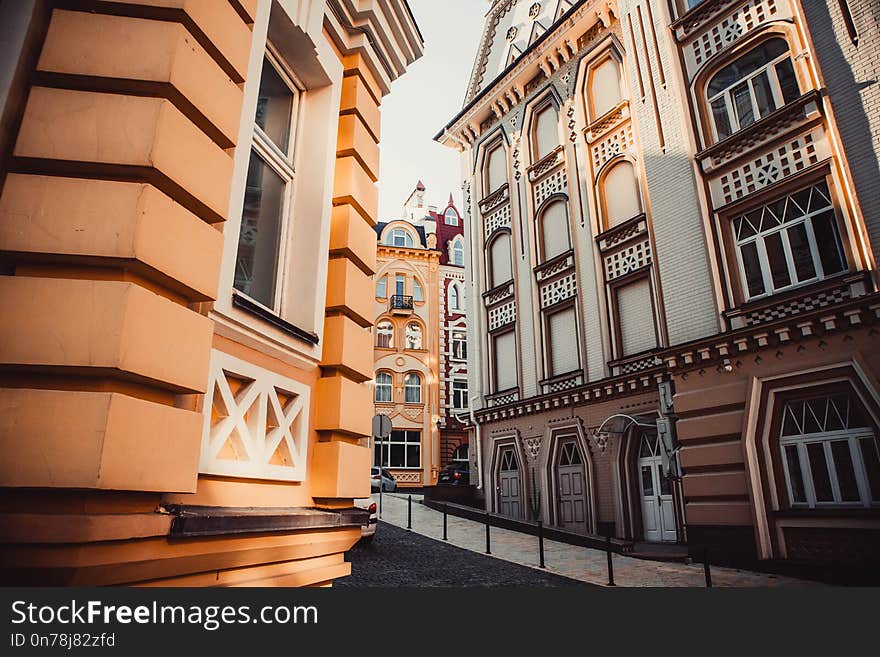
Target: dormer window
{"points": [[399, 237], [451, 217]]}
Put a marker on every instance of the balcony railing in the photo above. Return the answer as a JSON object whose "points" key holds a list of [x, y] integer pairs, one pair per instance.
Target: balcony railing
{"points": [[399, 303]]}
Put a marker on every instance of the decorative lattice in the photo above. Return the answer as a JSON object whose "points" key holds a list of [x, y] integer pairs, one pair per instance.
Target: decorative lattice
{"points": [[554, 267], [255, 422], [638, 365], [499, 294], [504, 399], [498, 219], [775, 165], [614, 144], [798, 306], [558, 290], [502, 315], [553, 184], [740, 22], [565, 384], [408, 477], [622, 262]]}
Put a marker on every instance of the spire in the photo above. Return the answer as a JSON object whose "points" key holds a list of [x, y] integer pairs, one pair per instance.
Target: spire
{"points": [[451, 200], [420, 186]]}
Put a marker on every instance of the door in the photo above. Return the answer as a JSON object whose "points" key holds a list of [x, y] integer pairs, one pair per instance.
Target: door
{"points": [[658, 515], [509, 498], [572, 495], [399, 281]]}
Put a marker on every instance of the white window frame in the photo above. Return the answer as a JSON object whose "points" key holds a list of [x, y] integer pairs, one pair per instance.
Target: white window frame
{"points": [[384, 448], [405, 236], [408, 336], [407, 387], [383, 386], [454, 297], [759, 239], [382, 287], [446, 216], [775, 90], [453, 355], [282, 164], [456, 454], [458, 252], [418, 291], [456, 394]]}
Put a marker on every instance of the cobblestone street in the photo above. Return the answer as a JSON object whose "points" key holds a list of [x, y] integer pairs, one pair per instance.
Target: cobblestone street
{"points": [[401, 558]]}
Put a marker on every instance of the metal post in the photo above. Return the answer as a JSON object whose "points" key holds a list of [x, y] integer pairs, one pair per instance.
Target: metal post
{"points": [[541, 542], [409, 511], [610, 560], [706, 571], [444, 522], [488, 547]]}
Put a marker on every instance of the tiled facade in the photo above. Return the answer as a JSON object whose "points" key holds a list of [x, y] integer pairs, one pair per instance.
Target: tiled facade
{"points": [[671, 224]]}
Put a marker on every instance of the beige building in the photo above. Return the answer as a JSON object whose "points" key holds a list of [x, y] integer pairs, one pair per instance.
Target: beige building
{"points": [[670, 209], [187, 206]]}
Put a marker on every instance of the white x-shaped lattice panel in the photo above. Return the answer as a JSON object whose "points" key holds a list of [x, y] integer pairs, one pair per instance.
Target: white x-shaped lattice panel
{"points": [[255, 422]]}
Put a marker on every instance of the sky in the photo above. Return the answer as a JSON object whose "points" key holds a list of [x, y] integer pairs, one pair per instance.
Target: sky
{"points": [[423, 101]]}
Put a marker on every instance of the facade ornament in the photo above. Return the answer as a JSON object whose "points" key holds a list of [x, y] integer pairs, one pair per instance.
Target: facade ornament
{"points": [[533, 446], [534, 10], [512, 32]]}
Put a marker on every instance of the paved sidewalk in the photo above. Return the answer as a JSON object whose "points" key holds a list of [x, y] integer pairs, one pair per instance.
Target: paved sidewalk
{"points": [[573, 561]]}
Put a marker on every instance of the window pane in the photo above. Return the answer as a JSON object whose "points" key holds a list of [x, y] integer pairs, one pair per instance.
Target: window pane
{"points": [[722, 121], [872, 465], [412, 456], [382, 287], [794, 475], [819, 469], [647, 481], [787, 81], [258, 240], [763, 94], [274, 107], [397, 456], [776, 258], [825, 228], [800, 252], [846, 475], [742, 102], [752, 267]]}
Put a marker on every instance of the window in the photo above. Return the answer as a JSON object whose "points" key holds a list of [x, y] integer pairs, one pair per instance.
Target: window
{"points": [[752, 87], [413, 336], [545, 133], [496, 169], [458, 252], [460, 453], [382, 287], [412, 386], [399, 285], [454, 297], [459, 394], [500, 268], [620, 193], [269, 177], [385, 335], [459, 345], [402, 450], [553, 224], [829, 453], [562, 342], [504, 361], [451, 217], [605, 87], [418, 294], [383, 387], [399, 237], [789, 242], [635, 317]]}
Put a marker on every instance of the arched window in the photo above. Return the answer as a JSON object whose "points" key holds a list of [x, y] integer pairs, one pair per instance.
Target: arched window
{"points": [[383, 387], [605, 87], [756, 84], [496, 169], [399, 237], [500, 268], [620, 191], [385, 334], [418, 293], [382, 287], [458, 252], [413, 336], [545, 132], [454, 297], [553, 226], [451, 217], [413, 388]]}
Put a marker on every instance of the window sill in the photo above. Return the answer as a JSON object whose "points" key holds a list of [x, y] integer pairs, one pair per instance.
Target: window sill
{"points": [[243, 302]]}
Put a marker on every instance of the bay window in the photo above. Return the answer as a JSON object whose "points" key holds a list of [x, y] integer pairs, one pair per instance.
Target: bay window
{"points": [[792, 241], [756, 84]]}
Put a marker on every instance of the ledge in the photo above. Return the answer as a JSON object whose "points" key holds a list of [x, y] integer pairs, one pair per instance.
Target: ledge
{"points": [[244, 303], [190, 521]]}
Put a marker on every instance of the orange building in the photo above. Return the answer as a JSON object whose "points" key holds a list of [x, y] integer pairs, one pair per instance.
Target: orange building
{"points": [[187, 202]]}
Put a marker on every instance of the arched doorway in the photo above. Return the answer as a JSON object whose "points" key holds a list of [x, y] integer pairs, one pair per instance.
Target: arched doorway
{"points": [[571, 485], [509, 484], [658, 507]]}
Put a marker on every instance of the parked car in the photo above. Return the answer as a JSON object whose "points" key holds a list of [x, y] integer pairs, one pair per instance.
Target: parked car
{"points": [[388, 482], [457, 473], [368, 531]]}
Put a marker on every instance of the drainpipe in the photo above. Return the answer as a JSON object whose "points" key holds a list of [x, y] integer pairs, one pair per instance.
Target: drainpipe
{"points": [[479, 445]]}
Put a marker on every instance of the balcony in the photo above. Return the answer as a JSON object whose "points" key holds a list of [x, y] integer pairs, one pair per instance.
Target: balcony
{"points": [[399, 304]]}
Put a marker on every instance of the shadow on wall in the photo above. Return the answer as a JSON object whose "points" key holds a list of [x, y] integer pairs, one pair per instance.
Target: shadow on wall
{"points": [[850, 74]]}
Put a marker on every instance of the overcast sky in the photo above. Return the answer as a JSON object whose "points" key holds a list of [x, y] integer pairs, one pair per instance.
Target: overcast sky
{"points": [[423, 101]]}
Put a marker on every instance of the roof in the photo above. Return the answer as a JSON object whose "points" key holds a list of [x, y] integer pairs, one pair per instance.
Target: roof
{"points": [[420, 230]]}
